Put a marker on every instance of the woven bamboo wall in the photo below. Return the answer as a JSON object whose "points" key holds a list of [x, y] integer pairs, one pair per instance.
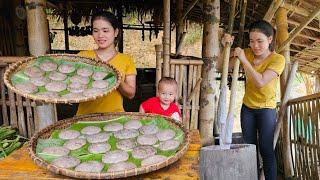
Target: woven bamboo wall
{"points": [[304, 137], [17, 111]]}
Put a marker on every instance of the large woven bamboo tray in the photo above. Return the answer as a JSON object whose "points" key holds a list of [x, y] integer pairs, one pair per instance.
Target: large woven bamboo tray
{"points": [[45, 133], [20, 65]]}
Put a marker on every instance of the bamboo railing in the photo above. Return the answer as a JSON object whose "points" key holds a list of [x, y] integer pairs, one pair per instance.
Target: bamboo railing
{"points": [[16, 110], [187, 73], [304, 136]]}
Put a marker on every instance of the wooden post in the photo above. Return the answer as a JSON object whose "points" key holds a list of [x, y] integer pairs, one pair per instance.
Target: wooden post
{"points": [[180, 24], [158, 64], [210, 52], [317, 84], [166, 38], [38, 37], [222, 104], [282, 36]]}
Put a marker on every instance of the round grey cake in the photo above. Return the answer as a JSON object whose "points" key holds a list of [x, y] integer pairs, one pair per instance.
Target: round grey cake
{"points": [[74, 144], [100, 84], [57, 76], [85, 72], [66, 162], [147, 139], [33, 72], [66, 68], [56, 150], [142, 152], [80, 79], [98, 138], [99, 75], [69, 134], [126, 144], [165, 135], [112, 127], [48, 66], [39, 81], [90, 166], [169, 145], [98, 148], [115, 156], [92, 92], [149, 129], [89, 130], [27, 87], [56, 86], [126, 134], [132, 124]]}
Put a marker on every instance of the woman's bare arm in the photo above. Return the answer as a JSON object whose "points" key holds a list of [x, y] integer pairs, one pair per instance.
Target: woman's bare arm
{"points": [[128, 87]]}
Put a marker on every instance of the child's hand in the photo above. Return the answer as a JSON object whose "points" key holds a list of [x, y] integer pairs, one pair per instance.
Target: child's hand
{"points": [[176, 116]]}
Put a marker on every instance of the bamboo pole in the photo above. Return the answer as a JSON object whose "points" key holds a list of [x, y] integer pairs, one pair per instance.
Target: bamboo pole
{"points": [[222, 106], [284, 103], [230, 117], [293, 34], [166, 38], [3, 98], [120, 20], [158, 64], [188, 9], [38, 37], [210, 52], [275, 4], [307, 27], [179, 25], [317, 84]]}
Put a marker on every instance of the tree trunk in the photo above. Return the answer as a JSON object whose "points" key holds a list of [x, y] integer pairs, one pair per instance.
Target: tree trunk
{"points": [[38, 37], [210, 52]]}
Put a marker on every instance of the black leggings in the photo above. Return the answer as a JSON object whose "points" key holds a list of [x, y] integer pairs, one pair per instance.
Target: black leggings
{"points": [[262, 121]]}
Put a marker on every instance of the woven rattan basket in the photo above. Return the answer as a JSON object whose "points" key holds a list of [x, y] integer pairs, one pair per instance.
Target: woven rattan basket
{"points": [[68, 57], [45, 133]]}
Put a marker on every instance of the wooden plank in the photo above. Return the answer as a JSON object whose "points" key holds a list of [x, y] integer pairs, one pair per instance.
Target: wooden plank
{"points": [[186, 112], [185, 62], [190, 79], [172, 70], [29, 119], [13, 110], [180, 80], [21, 118], [3, 99]]}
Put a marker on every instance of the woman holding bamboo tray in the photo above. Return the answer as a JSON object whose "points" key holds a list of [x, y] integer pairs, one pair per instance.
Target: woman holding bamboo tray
{"points": [[105, 32], [262, 66]]}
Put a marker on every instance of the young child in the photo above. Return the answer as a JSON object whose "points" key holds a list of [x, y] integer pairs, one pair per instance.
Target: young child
{"points": [[163, 103]]}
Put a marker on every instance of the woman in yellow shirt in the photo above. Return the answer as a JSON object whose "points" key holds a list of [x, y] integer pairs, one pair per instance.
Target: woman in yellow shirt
{"points": [[105, 32], [262, 66]]}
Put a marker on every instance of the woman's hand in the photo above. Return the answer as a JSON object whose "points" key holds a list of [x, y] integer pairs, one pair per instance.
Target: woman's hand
{"points": [[239, 53]]}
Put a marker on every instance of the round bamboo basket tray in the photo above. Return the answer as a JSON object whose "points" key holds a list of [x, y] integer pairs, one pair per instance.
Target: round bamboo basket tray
{"points": [[68, 57], [45, 133]]}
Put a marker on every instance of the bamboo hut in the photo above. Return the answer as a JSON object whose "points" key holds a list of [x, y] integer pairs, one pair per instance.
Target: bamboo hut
{"points": [[298, 28]]}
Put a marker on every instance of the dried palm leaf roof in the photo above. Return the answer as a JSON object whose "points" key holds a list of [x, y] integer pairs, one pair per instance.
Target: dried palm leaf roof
{"points": [[305, 47]]}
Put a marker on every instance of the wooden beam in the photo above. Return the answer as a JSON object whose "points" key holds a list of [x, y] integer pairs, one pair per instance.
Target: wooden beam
{"points": [[191, 5], [315, 13], [309, 37], [299, 44], [274, 6], [307, 27], [296, 9]]}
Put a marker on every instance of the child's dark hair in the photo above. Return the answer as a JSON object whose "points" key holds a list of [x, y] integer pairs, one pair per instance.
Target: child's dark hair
{"points": [[107, 16], [265, 28], [167, 80]]}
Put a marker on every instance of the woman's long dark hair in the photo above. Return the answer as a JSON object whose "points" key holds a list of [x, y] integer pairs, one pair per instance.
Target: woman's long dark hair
{"points": [[265, 28], [109, 17]]}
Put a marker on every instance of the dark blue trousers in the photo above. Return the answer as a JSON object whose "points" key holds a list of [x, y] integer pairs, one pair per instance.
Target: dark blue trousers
{"points": [[261, 122]]}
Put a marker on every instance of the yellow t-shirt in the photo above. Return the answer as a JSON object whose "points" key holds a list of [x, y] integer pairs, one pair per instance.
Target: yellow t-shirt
{"points": [[264, 97], [113, 102]]}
